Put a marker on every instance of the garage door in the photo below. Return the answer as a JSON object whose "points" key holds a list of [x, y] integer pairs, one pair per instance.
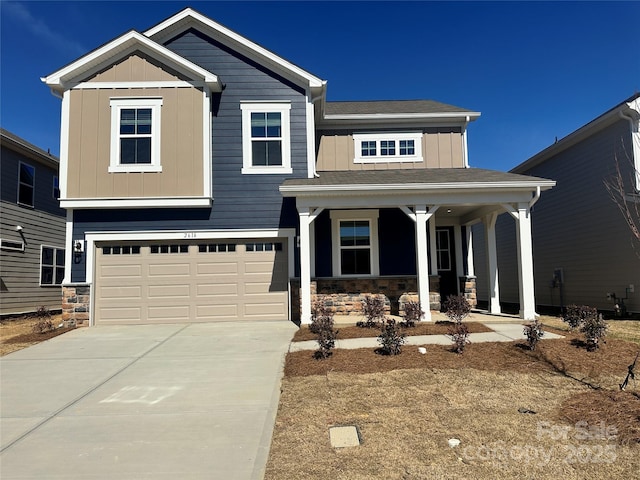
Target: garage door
{"points": [[174, 282]]}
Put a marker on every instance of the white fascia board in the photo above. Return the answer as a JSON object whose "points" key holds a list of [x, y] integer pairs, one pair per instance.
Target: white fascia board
{"points": [[385, 189], [120, 47], [98, 203], [184, 19]]}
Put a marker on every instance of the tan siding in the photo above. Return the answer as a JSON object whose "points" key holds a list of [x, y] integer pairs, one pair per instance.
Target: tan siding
{"points": [[441, 148], [181, 154], [137, 67]]}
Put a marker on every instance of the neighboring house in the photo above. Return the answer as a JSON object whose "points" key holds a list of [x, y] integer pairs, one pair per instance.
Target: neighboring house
{"points": [[206, 178], [32, 228], [583, 248]]}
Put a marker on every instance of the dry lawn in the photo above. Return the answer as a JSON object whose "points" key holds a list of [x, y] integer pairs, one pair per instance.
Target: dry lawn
{"points": [[406, 408], [17, 333]]}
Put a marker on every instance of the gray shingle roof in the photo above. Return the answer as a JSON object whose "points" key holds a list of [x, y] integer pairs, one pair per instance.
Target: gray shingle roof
{"points": [[390, 107], [433, 176]]}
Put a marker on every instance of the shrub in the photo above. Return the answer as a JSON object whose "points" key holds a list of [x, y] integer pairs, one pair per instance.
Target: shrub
{"points": [[391, 337], [373, 310], [575, 315], [459, 333], [412, 313], [457, 308], [44, 323], [534, 333], [322, 326], [594, 329]]}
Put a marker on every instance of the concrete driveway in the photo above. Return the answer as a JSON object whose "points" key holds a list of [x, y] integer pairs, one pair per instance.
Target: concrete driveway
{"points": [[135, 402]]}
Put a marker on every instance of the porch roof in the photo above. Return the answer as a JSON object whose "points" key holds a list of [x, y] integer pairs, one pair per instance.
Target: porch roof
{"points": [[412, 180]]}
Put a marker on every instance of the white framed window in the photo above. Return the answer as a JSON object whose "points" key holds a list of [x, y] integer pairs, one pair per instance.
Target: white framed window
{"points": [[51, 265], [266, 137], [11, 245], [387, 147], [355, 243], [443, 250], [26, 184], [135, 135]]}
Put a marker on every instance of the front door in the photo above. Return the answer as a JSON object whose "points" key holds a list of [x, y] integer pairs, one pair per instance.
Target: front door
{"points": [[445, 254]]}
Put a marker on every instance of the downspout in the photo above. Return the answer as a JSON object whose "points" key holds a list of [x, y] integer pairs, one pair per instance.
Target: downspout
{"points": [[313, 100], [535, 198], [464, 142], [635, 148]]}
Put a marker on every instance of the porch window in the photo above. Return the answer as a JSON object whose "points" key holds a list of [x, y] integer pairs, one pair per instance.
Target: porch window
{"points": [[355, 242], [51, 265]]}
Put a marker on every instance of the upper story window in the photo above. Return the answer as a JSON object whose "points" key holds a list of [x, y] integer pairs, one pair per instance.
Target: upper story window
{"points": [[56, 188], [135, 135], [387, 147], [26, 184], [266, 137]]}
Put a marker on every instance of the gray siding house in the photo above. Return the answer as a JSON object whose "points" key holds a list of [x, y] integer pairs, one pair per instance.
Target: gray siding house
{"points": [[32, 228], [208, 179], [582, 246]]}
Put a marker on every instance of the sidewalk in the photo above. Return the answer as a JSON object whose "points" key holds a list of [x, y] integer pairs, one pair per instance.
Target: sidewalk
{"points": [[502, 332]]}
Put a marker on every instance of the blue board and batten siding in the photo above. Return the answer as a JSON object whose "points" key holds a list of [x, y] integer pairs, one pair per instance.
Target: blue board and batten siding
{"points": [[576, 226], [239, 201]]}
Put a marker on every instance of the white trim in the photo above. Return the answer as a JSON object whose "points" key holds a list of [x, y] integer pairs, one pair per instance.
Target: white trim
{"points": [[140, 84], [119, 48], [54, 265], [68, 252], [369, 215], [311, 138], [64, 143], [405, 116], [182, 20], [282, 107], [118, 104], [395, 137], [33, 186], [207, 151], [4, 246], [151, 202]]}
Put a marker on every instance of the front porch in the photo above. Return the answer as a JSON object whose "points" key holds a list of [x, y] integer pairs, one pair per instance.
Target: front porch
{"points": [[361, 229]]}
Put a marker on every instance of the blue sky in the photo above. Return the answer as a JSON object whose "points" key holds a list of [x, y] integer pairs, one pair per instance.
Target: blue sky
{"points": [[536, 71]]}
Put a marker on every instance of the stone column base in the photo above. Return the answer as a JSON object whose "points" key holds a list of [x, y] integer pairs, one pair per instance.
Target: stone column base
{"points": [[76, 301]]}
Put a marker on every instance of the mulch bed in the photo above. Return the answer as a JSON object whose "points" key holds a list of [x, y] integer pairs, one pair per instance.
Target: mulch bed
{"points": [[422, 328], [37, 337]]}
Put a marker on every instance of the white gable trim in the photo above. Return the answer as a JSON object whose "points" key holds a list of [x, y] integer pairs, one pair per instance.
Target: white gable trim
{"points": [[187, 17], [119, 48]]}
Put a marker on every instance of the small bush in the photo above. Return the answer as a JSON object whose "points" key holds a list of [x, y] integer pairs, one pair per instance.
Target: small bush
{"points": [[575, 315], [459, 333], [534, 333], [44, 323], [457, 308], [322, 326], [412, 313], [391, 337], [373, 310], [594, 329]]}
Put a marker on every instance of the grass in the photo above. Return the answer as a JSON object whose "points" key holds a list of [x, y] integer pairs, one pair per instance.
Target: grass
{"points": [[407, 407]]}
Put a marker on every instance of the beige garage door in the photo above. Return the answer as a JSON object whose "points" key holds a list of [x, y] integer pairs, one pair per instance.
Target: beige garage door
{"points": [[174, 282]]}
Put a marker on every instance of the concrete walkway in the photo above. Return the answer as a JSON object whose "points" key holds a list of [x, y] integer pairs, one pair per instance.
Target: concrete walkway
{"points": [[502, 332], [143, 402]]}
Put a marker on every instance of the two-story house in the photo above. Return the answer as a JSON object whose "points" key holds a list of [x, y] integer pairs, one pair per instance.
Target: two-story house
{"points": [[32, 228], [207, 178]]}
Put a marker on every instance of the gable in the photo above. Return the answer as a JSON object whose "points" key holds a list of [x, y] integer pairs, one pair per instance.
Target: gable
{"points": [[137, 67]]}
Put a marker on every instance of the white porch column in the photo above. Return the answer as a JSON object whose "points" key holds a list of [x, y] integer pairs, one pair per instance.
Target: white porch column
{"points": [[492, 262], [305, 265], [470, 264], [422, 259], [525, 263]]}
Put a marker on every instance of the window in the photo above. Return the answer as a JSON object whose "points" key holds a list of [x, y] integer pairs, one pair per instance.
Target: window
{"points": [[56, 188], [11, 245], [169, 248], [355, 242], [121, 250], [264, 247], [266, 144], [51, 265], [388, 147], [135, 135], [443, 250], [217, 248], [26, 184]]}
